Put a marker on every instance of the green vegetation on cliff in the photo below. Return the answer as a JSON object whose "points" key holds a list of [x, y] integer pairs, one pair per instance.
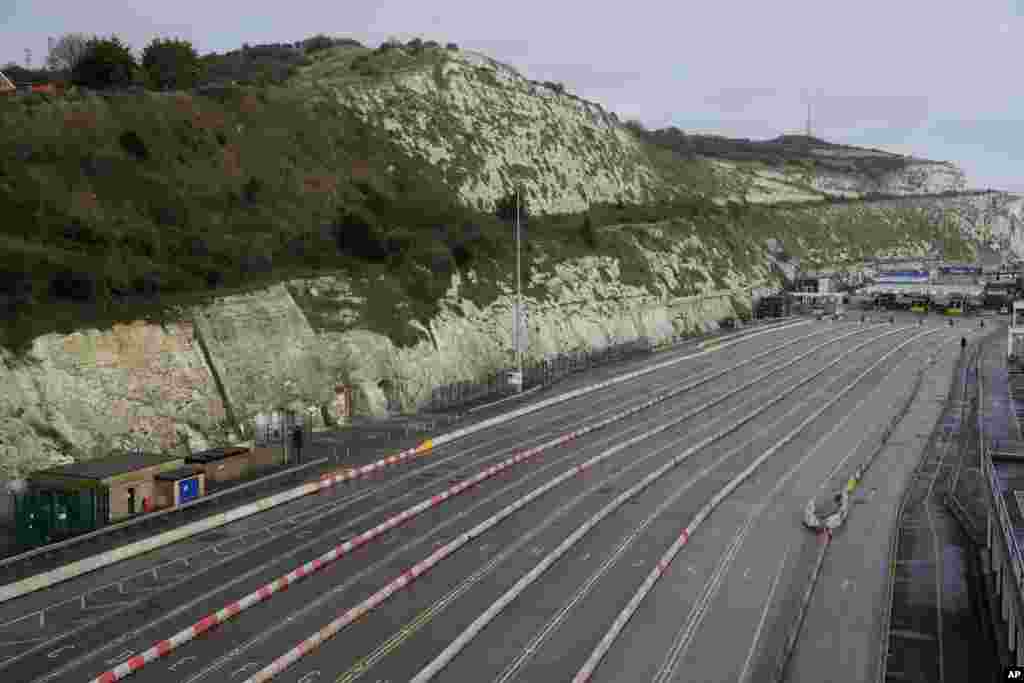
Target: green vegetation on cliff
{"points": [[120, 207]]}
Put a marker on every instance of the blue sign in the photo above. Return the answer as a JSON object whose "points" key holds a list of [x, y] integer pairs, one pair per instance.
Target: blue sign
{"points": [[188, 489], [907, 276]]}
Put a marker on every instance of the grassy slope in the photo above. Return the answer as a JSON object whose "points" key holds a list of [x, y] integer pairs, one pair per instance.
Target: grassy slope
{"points": [[125, 207]]}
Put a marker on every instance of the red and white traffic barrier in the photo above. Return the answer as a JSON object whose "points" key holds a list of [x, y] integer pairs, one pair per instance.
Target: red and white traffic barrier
{"points": [[163, 647], [406, 577]]}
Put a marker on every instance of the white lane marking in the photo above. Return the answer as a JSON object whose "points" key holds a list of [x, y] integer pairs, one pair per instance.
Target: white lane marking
{"points": [[5, 643], [764, 615], [453, 648], [181, 661], [746, 573], [117, 659], [697, 613], [334, 506], [512, 670], [314, 515], [847, 583], [554, 418], [106, 605], [244, 668]]}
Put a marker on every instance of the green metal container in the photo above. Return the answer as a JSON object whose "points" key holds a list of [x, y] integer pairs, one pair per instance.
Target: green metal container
{"points": [[45, 516]]}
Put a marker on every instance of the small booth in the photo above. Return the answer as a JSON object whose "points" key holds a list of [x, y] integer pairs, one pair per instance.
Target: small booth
{"points": [[178, 486], [233, 462]]}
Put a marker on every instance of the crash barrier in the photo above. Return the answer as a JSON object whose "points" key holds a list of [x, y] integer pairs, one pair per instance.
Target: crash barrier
{"points": [[47, 579], [230, 611]]}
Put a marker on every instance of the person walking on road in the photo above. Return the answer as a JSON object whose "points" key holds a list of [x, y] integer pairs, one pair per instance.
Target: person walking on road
{"points": [[297, 442], [963, 343]]}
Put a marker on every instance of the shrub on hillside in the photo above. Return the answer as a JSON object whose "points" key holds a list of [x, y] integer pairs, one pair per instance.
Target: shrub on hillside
{"points": [[74, 285], [16, 291], [356, 234], [107, 63], [171, 64], [505, 207], [133, 144]]}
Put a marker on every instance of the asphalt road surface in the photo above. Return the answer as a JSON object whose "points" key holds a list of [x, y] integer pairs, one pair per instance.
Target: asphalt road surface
{"points": [[753, 433]]}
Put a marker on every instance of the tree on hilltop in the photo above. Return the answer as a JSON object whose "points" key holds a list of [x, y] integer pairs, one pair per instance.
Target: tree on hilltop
{"points": [[171, 64], [107, 62]]}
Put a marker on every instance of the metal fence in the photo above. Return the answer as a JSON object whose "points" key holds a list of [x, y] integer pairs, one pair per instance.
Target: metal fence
{"points": [[1006, 561], [537, 373]]}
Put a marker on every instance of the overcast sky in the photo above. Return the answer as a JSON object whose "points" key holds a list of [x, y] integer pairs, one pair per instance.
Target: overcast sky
{"points": [[938, 80]]}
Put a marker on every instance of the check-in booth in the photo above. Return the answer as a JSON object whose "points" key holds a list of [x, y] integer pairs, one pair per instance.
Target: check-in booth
{"points": [[178, 486]]}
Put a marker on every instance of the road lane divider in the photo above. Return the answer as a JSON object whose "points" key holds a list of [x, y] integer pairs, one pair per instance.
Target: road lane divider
{"points": [[588, 668], [78, 568], [361, 668], [424, 618], [456, 646], [164, 647], [511, 671], [691, 626], [444, 551]]}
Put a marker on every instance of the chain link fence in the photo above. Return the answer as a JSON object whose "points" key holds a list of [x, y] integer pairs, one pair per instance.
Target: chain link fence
{"points": [[537, 373]]}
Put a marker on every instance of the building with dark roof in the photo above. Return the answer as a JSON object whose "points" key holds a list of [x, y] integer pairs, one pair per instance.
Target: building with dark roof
{"points": [[128, 480]]}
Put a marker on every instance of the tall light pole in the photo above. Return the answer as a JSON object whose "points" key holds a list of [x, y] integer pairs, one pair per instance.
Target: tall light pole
{"points": [[519, 302]]}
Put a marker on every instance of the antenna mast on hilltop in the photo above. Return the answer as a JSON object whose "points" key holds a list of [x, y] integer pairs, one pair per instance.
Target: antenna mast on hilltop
{"points": [[809, 119]]}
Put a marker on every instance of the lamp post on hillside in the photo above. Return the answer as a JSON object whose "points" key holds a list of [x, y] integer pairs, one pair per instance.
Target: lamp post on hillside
{"points": [[519, 303]]}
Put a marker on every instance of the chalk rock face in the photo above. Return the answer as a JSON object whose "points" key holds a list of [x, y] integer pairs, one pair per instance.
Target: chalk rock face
{"points": [[138, 384], [488, 127], [924, 177]]}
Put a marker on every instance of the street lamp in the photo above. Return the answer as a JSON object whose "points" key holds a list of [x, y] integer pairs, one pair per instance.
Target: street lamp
{"points": [[519, 302]]}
